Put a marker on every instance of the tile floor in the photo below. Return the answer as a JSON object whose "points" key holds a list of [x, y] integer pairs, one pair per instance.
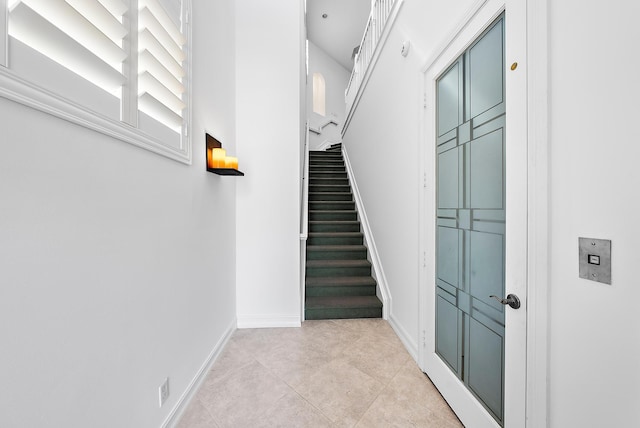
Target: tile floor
{"points": [[334, 373]]}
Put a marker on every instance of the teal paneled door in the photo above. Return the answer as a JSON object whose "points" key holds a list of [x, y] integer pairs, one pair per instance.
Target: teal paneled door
{"points": [[470, 244]]}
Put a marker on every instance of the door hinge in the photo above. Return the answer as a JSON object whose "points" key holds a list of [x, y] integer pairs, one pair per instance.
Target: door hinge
{"points": [[424, 182], [424, 100], [185, 131], [424, 259]]}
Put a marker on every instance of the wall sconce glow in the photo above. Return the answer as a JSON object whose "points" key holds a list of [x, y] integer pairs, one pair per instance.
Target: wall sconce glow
{"points": [[217, 160]]}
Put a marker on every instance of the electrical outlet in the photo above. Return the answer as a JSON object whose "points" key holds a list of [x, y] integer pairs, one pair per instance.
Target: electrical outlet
{"points": [[163, 391]]}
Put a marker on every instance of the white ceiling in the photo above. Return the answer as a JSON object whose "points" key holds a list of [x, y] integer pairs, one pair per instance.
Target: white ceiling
{"points": [[341, 31]]}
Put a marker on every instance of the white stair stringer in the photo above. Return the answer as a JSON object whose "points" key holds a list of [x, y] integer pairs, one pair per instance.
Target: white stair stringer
{"points": [[376, 266]]}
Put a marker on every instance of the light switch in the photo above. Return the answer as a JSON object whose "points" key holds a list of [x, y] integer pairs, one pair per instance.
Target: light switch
{"points": [[594, 257]]}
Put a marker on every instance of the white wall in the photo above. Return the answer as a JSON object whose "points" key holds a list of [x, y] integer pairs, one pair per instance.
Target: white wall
{"points": [[382, 141], [336, 78], [268, 113], [594, 335], [594, 331], [117, 266]]}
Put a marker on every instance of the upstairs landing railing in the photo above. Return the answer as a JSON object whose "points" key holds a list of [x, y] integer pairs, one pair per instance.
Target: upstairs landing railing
{"points": [[381, 11]]}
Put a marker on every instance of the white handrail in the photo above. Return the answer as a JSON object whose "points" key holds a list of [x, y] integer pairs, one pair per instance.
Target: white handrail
{"points": [[319, 129], [304, 208], [380, 11], [304, 221]]}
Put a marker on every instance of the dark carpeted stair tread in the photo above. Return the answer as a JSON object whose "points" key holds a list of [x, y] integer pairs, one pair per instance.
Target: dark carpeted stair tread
{"points": [[334, 222], [325, 155], [335, 238], [330, 196], [316, 310], [340, 181], [340, 281], [334, 234], [335, 248], [331, 211], [327, 174], [334, 226], [337, 203], [317, 302], [333, 215], [338, 263], [330, 188], [331, 205], [337, 267], [336, 252], [338, 276], [323, 164]]}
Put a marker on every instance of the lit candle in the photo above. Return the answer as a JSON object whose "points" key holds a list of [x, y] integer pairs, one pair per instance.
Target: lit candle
{"points": [[217, 158], [231, 162]]}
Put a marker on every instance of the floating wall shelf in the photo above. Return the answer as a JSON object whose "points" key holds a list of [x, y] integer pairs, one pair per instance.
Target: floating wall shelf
{"points": [[212, 143]]}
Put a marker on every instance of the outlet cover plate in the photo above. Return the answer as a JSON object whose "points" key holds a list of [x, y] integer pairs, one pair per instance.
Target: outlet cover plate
{"points": [[163, 392]]}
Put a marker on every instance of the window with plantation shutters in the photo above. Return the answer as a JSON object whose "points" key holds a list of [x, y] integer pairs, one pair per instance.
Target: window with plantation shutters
{"points": [[117, 66], [160, 67]]}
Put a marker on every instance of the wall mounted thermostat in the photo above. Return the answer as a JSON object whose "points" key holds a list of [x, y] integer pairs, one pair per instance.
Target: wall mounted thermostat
{"points": [[595, 259]]}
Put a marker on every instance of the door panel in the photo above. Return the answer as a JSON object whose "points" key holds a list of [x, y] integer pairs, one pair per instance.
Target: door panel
{"points": [[485, 365], [487, 172], [486, 255], [448, 344], [448, 265], [486, 71], [448, 96], [470, 240], [448, 180]]}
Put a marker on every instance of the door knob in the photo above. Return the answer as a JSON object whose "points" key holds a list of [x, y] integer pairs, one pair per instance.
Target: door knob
{"points": [[511, 300]]}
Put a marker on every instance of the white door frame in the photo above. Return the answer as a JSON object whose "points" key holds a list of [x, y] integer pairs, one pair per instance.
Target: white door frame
{"points": [[526, 365]]}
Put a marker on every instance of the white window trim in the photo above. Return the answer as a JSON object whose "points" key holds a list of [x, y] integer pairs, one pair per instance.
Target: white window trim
{"points": [[16, 89], [3, 33]]}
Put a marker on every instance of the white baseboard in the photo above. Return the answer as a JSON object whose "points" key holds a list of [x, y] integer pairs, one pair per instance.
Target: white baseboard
{"points": [[184, 401], [262, 321], [405, 338], [378, 271]]}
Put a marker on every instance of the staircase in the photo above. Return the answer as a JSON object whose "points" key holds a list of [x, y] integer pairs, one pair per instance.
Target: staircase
{"points": [[338, 275]]}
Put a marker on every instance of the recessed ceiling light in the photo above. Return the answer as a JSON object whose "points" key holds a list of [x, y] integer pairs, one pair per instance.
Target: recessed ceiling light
{"points": [[324, 15]]}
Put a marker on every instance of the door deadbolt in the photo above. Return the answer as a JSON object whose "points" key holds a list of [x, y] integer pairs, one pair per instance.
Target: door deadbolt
{"points": [[511, 300]]}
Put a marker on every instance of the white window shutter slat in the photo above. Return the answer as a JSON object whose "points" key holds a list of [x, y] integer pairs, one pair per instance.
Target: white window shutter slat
{"points": [[163, 18], [100, 16], [68, 20], [116, 7], [147, 20], [160, 112], [160, 62], [148, 62], [150, 43], [60, 47], [122, 63], [147, 83]]}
